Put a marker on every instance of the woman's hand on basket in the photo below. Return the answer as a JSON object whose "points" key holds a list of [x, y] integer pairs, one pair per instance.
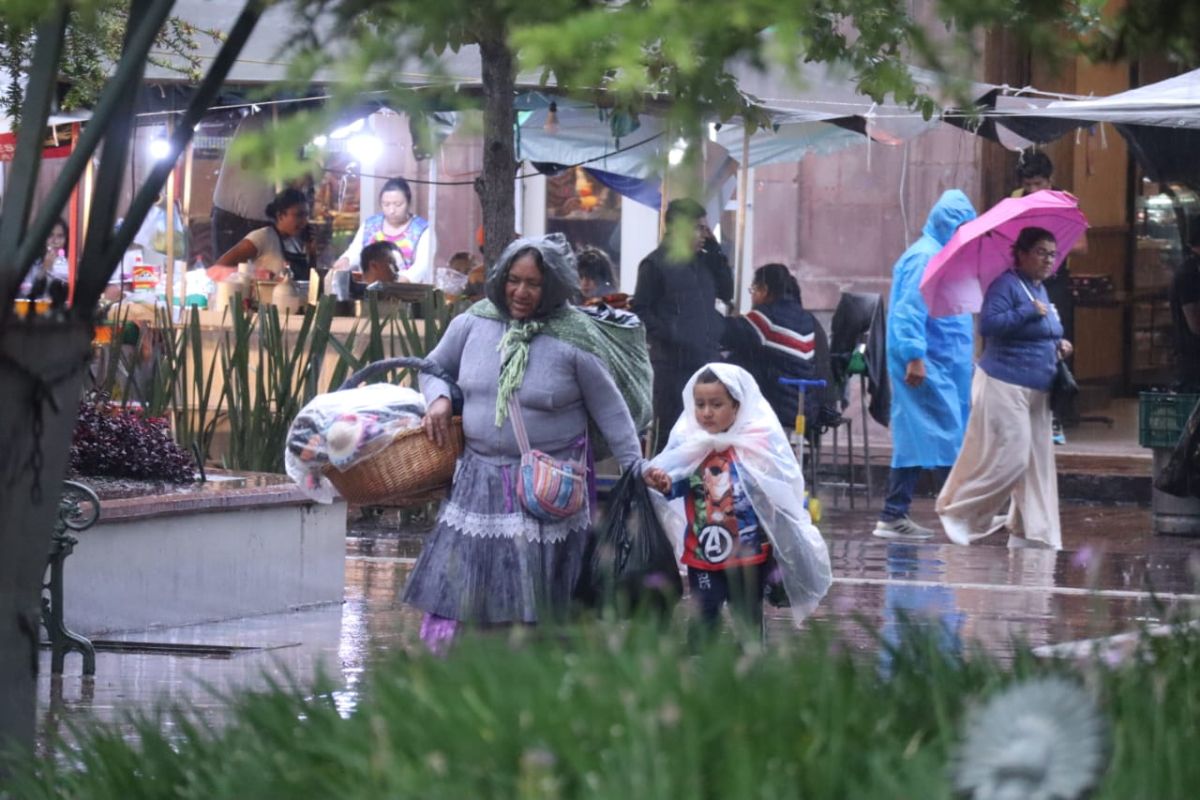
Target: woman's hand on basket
{"points": [[437, 421]]}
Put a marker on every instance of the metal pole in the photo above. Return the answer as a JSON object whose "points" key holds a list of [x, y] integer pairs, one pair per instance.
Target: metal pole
{"points": [[73, 230], [169, 270], [862, 402], [188, 159], [743, 184]]}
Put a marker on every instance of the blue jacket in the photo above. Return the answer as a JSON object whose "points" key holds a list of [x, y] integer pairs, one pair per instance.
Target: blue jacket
{"points": [[1020, 344], [928, 422]]}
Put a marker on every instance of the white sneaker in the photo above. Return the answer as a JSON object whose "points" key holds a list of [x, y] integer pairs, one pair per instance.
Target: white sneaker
{"points": [[903, 528]]}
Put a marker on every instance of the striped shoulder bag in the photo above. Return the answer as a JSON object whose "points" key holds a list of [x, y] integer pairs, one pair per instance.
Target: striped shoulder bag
{"points": [[550, 489]]}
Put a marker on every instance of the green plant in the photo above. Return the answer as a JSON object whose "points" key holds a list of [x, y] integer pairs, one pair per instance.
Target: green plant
{"points": [[269, 373], [626, 713], [191, 393], [261, 402], [404, 336]]}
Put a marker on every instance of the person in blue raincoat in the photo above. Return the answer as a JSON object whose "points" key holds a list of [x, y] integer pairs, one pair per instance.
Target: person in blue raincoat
{"points": [[930, 366]]}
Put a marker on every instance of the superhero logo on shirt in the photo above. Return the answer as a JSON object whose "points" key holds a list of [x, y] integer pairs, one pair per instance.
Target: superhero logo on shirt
{"points": [[723, 529], [717, 543]]}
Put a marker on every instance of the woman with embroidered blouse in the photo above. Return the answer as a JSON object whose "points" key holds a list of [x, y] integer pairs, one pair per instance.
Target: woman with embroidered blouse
{"points": [[397, 224], [489, 562]]}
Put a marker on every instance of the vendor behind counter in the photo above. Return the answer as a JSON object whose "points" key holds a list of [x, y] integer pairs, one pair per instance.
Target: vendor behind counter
{"points": [[275, 246]]}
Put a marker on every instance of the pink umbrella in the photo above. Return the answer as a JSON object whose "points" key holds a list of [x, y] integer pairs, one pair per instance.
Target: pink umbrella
{"points": [[956, 278]]}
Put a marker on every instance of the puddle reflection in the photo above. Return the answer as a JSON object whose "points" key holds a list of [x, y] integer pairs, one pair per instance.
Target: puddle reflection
{"points": [[916, 606]]}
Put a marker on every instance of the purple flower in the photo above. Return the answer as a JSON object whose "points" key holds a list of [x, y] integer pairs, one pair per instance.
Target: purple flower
{"points": [[1083, 557], [655, 580]]}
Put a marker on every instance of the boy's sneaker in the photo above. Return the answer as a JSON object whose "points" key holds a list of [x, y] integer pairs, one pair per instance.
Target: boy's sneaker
{"points": [[903, 528], [1056, 433]]}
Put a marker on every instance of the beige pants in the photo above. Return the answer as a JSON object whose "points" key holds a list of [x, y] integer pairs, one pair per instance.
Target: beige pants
{"points": [[1007, 453]]}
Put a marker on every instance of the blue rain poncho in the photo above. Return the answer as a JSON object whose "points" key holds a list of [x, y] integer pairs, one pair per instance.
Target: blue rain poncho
{"points": [[928, 422]]}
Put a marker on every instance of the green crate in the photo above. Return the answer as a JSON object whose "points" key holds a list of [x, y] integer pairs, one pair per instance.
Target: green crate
{"points": [[1161, 417]]}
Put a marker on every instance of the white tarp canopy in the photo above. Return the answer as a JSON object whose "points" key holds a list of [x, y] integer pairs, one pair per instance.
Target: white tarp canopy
{"points": [[1173, 103], [1160, 122], [62, 118]]}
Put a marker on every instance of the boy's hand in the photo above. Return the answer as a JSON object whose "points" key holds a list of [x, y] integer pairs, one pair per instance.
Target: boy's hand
{"points": [[657, 478]]}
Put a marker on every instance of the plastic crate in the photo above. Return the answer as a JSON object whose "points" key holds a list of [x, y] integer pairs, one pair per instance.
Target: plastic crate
{"points": [[1161, 417]]}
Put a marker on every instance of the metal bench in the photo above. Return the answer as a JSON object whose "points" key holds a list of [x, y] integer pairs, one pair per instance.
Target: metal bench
{"points": [[78, 510]]}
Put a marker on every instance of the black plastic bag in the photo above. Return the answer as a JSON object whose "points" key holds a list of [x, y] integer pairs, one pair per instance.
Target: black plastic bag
{"points": [[629, 565], [773, 589]]}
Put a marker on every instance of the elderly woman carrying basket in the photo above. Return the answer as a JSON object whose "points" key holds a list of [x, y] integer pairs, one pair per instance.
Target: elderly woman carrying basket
{"points": [[522, 355]]}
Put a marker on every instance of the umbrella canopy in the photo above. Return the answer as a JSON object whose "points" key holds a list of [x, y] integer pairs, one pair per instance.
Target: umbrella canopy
{"points": [[956, 278]]}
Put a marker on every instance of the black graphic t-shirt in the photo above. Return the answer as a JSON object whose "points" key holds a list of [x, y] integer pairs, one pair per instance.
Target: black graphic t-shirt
{"points": [[722, 529]]}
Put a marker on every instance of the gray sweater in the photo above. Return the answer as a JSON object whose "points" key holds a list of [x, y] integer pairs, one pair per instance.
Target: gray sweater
{"points": [[563, 385]]}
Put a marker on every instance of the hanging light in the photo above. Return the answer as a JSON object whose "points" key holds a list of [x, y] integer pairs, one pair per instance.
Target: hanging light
{"points": [[159, 148], [677, 152], [364, 148], [551, 125]]}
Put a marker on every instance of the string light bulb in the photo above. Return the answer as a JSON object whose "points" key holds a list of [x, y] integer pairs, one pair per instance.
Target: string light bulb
{"points": [[551, 125]]}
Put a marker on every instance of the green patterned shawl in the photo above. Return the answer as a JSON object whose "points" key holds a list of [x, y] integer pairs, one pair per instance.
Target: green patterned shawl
{"points": [[621, 347]]}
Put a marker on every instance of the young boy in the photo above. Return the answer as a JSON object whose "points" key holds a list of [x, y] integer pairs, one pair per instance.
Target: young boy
{"points": [[724, 547], [380, 262], [730, 461]]}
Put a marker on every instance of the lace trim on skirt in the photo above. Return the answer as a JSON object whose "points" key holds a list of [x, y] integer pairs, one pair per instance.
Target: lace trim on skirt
{"points": [[511, 525]]}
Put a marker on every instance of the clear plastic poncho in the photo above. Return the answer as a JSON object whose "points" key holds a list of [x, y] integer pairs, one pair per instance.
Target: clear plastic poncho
{"points": [[773, 479], [345, 427]]}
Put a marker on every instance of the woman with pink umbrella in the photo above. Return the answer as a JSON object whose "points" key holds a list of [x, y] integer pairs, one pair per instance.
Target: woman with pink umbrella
{"points": [[1007, 453]]}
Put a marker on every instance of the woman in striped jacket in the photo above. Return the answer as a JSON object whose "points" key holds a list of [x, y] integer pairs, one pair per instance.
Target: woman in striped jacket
{"points": [[776, 339]]}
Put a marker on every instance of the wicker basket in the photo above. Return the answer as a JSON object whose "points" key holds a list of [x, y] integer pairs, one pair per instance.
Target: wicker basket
{"points": [[411, 470]]}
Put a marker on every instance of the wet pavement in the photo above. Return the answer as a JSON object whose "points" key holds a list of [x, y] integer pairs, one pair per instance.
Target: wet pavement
{"points": [[1113, 576]]}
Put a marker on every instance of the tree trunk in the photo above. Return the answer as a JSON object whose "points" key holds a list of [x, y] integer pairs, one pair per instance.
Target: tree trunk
{"points": [[495, 186], [42, 365]]}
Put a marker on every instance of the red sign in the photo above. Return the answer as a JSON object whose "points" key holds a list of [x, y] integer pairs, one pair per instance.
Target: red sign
{"points": [[8, 148]]}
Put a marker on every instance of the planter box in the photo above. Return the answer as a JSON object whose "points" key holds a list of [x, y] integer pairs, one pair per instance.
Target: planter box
{"points": [[216, 552]]}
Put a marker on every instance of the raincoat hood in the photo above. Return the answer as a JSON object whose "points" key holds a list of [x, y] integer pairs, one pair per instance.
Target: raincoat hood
{"points": [[952, 209], [774, 483]]}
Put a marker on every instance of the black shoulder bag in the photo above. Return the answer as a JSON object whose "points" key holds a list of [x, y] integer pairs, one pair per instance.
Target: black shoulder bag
{"points": [[1063, 388]]}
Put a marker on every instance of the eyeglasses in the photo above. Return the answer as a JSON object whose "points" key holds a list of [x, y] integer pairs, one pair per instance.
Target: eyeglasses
{"points": [[1045, 254]]}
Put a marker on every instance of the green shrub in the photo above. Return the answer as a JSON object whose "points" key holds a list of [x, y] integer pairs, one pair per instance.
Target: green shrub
{"points": [[626, 714]]}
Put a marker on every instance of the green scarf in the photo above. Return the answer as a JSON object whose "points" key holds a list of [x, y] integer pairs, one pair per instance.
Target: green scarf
{"points": [[622, 351], [514, 359]]}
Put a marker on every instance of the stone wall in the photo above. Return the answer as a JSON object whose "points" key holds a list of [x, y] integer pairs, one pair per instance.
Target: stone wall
{"points": [[841, 220]]}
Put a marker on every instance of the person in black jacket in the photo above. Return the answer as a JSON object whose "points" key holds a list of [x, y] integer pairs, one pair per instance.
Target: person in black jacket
{"points": [[677, 303], [776, 339], [1185, 314]]}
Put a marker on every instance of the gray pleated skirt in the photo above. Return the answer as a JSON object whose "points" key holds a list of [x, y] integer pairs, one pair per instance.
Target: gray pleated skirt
{"points": [[487, 561]]}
